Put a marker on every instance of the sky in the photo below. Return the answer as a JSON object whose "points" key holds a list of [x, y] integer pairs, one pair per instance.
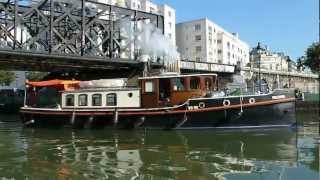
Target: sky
{"points": [[288, 26]]}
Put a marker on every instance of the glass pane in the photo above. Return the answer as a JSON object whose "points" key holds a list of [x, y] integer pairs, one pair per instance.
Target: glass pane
{"points": [[208, 83], [111, 100], [96, 100], [194, 83], [70, 100], [178, 84], [83, 100], [149, 87]]}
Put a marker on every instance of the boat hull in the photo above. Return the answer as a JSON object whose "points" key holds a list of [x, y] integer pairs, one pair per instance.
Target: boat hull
{"points": [[264, 111]]}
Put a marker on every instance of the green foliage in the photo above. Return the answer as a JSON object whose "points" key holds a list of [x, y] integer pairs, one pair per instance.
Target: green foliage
{"points": [[313, 57], [36, 76], [6, 78], [300, 63]]}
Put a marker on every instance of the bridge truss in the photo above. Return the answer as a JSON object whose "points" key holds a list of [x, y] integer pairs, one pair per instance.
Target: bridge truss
{"points": [[46, 34]]}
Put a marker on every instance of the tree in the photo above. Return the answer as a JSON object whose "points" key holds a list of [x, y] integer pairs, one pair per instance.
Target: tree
{"points": [[300, 62], [6, 78], [36, 76], [313, 57]]}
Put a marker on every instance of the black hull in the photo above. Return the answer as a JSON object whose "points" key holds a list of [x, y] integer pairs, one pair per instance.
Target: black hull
{"points": [[263, 116]]}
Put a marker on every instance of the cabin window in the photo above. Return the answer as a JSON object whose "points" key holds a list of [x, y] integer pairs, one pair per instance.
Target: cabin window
{"points": [[149, 87], [83, 100], [208, 83], [112, 99], [194, 83], [97, 100], [178, 84], [69, 100]]}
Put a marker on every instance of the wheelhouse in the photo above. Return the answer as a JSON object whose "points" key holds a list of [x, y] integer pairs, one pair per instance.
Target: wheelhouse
{"points": [[171, 90]]}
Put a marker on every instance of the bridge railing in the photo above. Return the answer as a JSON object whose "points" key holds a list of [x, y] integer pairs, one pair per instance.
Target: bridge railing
{"points": [[284, 73], [206, 66]]}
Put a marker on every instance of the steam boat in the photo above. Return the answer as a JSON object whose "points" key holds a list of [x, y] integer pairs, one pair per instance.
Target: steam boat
{"points": [[168, 101]]}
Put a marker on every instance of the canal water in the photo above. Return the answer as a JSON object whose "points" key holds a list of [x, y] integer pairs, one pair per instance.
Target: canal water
{"points": [[65, 153]]}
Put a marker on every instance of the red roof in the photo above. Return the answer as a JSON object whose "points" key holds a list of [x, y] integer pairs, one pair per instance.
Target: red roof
{"points": [[59, 84]]}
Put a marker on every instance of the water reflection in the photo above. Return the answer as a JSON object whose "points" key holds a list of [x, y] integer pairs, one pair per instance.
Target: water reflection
{"points": [[107, 154], [156, 154]]}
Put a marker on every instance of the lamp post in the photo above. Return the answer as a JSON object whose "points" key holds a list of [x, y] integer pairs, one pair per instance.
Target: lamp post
{"points": [[260, 72], [259, 65]]}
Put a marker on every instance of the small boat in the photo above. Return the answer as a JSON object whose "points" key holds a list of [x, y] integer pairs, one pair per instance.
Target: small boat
{"points": [[165, 101]]}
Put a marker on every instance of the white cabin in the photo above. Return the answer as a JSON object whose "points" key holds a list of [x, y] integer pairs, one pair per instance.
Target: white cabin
{"points": [[101, 98]]}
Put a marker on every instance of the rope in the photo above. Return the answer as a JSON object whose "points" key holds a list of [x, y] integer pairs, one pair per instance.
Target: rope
{"points": [[241, 99], [241, 105], [185, 117]]}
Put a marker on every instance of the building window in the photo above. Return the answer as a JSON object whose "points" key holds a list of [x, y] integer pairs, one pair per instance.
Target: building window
{"points": [[169, 13], [170, 36], [198, 49], [194, 83], [198, 59], [112, 99], [83, 100], [198, 37], [149, 87], [197, 27], [69, 100], [219, 41], [96, 100], [219, 51], [170, 25]]}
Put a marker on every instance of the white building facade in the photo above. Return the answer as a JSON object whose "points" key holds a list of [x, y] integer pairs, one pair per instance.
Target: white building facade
{"points": [[204, 41], [261, 57], [166, 11]]}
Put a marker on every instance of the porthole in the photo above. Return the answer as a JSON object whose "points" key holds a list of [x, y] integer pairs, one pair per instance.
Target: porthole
{"points": [[226, 103], [252, 101]]}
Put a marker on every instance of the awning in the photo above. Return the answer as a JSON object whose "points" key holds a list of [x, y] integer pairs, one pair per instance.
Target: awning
{"points": [[58, 84]]}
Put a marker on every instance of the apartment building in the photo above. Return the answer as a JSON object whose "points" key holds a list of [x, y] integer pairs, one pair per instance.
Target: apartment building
{"points": [[204, 41], [166, 11]]}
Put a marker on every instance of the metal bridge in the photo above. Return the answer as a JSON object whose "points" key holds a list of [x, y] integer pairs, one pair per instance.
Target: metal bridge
{"points": [[47, 35]]}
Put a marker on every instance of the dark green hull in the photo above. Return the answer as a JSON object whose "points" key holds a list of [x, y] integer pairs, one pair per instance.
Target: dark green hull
{"points": [[11, 102]]}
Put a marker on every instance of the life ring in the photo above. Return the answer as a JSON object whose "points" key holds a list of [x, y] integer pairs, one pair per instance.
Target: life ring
{"points": [[202, 105], [226, 103], [252, 101]]}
